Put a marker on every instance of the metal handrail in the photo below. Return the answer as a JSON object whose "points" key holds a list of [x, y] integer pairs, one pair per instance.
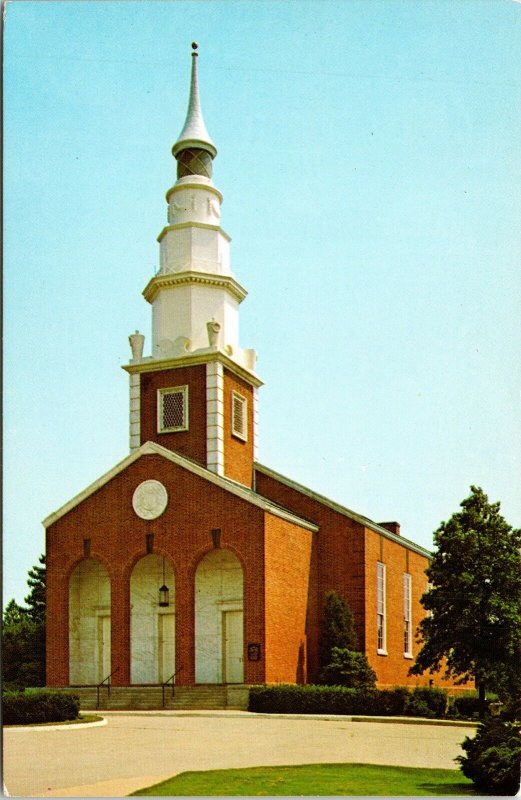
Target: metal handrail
{"points": [[165, 683], [100, 684]]}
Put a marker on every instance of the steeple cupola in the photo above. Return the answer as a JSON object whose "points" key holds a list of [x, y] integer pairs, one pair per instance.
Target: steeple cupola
{"points": [[194, 149]]}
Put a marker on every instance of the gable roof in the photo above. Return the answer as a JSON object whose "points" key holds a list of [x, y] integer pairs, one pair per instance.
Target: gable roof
{"points": [[151, 448], [346, 512]]}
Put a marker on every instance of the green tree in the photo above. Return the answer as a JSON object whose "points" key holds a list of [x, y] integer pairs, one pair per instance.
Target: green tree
{"points": [[14, 614], [337, 628], [23, 635], [473, 628], [348, 668], [36, 597]]}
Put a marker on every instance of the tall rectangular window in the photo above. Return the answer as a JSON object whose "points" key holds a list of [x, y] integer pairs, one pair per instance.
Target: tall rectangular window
{"points": [[172, 409], [239, 416], [407, 616], [381, 635]]}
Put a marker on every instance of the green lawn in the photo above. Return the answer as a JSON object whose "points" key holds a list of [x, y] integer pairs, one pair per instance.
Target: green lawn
{"points": [[315, 779]]}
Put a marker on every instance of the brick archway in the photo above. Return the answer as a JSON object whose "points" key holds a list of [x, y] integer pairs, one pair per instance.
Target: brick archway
{"points": [[152, 627], [89, 622]]}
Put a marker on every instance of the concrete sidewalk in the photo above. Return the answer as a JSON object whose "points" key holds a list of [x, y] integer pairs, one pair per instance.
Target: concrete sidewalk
{"points": [[137, 749]]}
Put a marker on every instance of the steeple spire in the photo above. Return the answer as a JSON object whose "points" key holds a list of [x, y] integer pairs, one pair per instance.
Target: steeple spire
{"points": [[194, 149]]}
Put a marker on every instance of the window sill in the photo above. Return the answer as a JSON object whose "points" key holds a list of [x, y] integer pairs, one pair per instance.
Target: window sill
{"points": [[409, 656], [382, 652]]}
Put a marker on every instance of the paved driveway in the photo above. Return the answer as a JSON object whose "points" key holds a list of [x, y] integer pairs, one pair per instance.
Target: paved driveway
{"points": [[137, 749]]}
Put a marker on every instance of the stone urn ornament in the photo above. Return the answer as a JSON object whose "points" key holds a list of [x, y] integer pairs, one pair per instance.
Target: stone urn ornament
{"points": [[137, 341], [214, 328]]}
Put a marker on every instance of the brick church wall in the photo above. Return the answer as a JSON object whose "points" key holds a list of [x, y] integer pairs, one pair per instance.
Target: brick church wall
{"points": [[287, 588], [337, 562]]}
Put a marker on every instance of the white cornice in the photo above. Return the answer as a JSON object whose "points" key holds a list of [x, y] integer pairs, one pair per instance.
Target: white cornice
{"points": [[189, 277], [151, 448], [346, 512], [206, 225], [156, 365]]}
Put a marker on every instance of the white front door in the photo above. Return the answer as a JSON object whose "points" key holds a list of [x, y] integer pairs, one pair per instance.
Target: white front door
{"points": [[103, 647], [166, 646], [233, 661]]}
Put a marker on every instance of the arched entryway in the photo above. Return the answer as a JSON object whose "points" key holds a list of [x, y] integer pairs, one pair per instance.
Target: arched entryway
{"points": [[89, 623], [152, 624], [219, 648]]}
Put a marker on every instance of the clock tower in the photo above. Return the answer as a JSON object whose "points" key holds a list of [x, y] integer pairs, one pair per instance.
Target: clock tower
{"points": [[196, 393]]}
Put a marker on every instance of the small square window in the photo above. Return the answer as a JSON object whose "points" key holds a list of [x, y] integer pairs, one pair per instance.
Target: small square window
{"points": [[239, 416], [172, 410]]}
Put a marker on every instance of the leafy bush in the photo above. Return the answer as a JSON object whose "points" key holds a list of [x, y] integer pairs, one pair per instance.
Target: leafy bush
{"points": [[282, 699], [493, 760], [468, 705], [25, 708], [390, 702], [427, 701], [418, 708], [512, 709], [290, 699], [348, 668]]}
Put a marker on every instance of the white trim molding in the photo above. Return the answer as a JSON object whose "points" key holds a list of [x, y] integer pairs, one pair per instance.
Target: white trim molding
{"points": [[255, 423], [170, 279], [215, 417], [134, 411]]}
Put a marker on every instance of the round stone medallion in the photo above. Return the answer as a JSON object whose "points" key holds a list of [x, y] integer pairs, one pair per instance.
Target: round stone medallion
{"points": [[150, 499]]}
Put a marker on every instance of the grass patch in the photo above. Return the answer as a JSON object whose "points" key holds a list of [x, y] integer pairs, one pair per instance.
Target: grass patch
{"points": [[315, 779], [81, 719]]}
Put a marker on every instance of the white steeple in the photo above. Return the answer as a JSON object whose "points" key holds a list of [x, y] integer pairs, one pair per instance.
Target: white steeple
{"points": [[194, 133], [194, 295]]}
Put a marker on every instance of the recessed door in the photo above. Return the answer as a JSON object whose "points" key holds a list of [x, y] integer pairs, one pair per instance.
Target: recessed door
{"points": [[233, 659]]}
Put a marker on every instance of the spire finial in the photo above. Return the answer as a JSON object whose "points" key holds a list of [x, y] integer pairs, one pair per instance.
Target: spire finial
{"points": [[194, 133]]}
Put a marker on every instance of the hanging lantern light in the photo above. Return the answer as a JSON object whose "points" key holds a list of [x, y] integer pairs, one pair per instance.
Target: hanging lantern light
{"points": [[164, 591]]}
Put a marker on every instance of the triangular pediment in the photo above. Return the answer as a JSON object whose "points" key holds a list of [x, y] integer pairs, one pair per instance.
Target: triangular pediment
{"points": [[151, 448]]}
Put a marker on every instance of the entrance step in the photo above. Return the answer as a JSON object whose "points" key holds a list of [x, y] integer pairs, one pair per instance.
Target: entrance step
{"points": [[200, 697]]}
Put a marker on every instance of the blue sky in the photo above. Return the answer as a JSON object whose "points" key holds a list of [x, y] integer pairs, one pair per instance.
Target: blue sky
{"points": [[370, 164]]}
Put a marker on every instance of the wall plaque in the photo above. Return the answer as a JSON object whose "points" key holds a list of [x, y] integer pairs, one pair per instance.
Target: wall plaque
{"points": [[254, 651], [150, 499]]}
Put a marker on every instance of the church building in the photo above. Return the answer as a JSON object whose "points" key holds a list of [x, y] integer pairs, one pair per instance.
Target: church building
{"points": [[190, 562]]}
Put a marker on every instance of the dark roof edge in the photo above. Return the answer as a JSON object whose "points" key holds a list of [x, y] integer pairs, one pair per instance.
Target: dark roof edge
{"points": [[346, 512]]}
